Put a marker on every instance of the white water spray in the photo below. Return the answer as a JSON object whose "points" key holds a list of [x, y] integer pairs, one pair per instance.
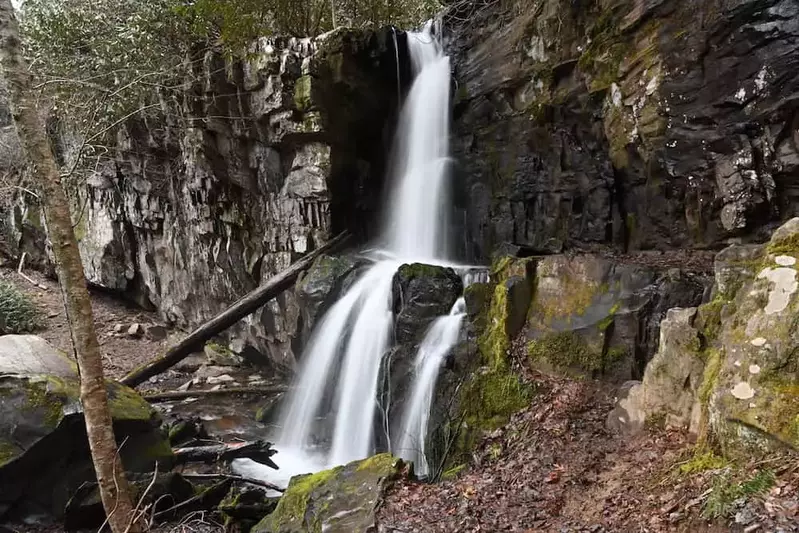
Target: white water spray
{"points": [[440, 339]]}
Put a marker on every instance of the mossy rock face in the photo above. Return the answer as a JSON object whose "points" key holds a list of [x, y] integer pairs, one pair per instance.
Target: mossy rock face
{"points": [[491, 391], [340, 500], [44, 452], [732, 374], [594, 317]]}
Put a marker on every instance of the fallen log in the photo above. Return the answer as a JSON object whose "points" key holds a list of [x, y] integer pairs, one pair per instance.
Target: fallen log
{"points": [[257, 450], [245, 306], [180, 395], [241, 479]]}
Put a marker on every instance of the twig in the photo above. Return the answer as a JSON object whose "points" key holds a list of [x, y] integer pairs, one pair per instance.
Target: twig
{"points": [[243, 479], [217, 492], [178, 395], [26, 278], [136, 515]]}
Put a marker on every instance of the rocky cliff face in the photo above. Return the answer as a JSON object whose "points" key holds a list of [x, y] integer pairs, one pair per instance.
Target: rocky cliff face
{"points": [[625, 124], [264, 160]]}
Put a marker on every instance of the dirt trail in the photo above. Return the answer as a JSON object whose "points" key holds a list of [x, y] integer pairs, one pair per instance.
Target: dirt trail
{"points": [[555, 468]]}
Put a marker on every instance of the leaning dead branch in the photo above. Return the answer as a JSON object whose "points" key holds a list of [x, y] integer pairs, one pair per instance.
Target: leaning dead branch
{"points": [[245, 306], [242, 479]]}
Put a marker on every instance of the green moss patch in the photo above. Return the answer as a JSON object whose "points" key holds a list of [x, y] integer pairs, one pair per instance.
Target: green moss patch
{"points": [[703, 461], [568, 350], [8, 452], [494, 342], [302, 93], [787, 246]]}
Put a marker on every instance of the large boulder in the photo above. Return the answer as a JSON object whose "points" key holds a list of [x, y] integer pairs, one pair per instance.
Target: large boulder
{"points": [[599, 317], [422, 293], [44, 451], [730, 370], [341, 500]]}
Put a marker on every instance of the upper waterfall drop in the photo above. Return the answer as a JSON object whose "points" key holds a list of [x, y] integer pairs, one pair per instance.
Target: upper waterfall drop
{"points": [[416, 225]]}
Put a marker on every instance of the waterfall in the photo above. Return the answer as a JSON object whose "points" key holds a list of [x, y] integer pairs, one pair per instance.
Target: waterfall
{"points": [[440, 339], [344, 355], [416, 228]]}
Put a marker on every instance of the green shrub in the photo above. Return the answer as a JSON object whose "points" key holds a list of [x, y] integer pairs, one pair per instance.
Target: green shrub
{"points": [[17, 313], [725, 493]]}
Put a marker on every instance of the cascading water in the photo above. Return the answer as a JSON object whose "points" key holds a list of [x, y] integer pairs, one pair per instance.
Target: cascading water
{"points": [[440, 339], [355, 333]]}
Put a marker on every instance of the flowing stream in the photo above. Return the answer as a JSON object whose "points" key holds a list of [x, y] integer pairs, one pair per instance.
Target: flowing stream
{"points": [[440, 339], [349, 342]]}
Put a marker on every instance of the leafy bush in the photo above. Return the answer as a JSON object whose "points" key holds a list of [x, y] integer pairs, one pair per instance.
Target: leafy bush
{"points": [[17, 313]]}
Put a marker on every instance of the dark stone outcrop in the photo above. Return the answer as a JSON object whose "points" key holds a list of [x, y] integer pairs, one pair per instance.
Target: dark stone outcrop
{"points": [[44, 451], [625, 124], [601, 318], [422, 293]]}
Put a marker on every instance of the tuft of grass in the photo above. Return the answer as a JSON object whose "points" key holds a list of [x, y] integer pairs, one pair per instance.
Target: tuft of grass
{"points": [[726, 494], [17, 313], [703, 461]]}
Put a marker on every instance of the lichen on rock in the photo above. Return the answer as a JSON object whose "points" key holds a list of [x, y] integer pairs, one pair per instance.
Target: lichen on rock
{"points": [[736, 383]]}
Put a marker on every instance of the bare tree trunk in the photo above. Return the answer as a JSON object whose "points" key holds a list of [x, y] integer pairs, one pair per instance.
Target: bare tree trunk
{"points": [[114, 489]]}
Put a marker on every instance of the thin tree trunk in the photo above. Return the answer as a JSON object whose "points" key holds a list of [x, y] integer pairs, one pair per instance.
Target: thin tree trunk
{"points": [[114, 489]]}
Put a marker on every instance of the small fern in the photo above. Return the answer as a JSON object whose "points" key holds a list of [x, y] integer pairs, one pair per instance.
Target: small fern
{"points": [[17, 313], [726, 494]]}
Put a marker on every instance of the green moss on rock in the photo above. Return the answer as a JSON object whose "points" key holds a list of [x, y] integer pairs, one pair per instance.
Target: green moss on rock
{"points": [[302, 93], [497, 395], [568, 350], [7, 452], [788, 245], [494, 342], [339, 499]]}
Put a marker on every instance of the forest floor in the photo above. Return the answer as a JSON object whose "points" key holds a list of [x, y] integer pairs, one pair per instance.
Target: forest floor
{"points": [[556, 468], [121, 352], [553, 468]]}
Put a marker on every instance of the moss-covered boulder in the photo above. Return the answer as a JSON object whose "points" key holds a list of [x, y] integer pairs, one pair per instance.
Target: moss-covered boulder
{"points": [[44, 452], [743, 351], [421, 294], [340, 500], [480, 390], [598, 317], [318, 288]]}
